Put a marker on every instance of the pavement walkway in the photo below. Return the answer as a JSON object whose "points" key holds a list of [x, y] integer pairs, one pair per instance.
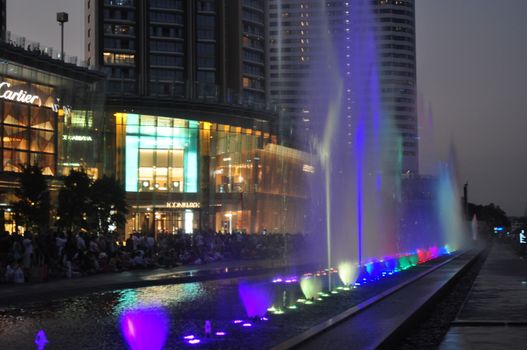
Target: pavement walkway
{"points": [[11, 294], [494, 315]]}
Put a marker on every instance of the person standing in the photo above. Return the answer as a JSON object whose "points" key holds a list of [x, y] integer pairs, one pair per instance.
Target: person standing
{"points": [[27, 243]]}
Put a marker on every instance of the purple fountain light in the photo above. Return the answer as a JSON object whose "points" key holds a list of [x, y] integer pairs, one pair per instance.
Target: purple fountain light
{"points": [[41, 340], [145, 329], [256, 298]]}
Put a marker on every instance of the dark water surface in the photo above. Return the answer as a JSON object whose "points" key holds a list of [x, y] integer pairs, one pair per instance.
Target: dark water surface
{"points": [[92, 321]]}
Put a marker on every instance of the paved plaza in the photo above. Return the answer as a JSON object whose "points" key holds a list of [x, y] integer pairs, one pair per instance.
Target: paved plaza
{"points": [[495, 313]]}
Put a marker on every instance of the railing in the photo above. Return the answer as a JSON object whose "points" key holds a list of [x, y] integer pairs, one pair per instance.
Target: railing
{"points": [[35, 48], [185, 90], [202, 92]]}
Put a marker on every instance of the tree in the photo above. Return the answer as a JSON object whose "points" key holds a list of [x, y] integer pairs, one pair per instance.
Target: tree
{"points": [[33, 207], [492, 214], [74, 204], [108, 199]]}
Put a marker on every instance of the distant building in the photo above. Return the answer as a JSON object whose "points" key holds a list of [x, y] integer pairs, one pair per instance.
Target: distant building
{"points": [[295, 35], [3, 21], [180, 48]]}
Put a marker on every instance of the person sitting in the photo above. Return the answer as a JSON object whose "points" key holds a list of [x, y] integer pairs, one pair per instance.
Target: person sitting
{"points": [[9, 272], [18, 274]]}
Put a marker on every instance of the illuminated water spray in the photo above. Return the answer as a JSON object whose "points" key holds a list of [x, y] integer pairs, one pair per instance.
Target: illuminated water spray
{"points": [[41, 340], [145, 329], [357, 192]]}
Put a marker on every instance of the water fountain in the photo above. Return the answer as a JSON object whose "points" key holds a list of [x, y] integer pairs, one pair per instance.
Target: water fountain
{"points": [[358, 203], [366, 229]]}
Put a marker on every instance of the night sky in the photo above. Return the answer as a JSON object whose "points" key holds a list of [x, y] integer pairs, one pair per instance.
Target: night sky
{"points": [[471, 57]]}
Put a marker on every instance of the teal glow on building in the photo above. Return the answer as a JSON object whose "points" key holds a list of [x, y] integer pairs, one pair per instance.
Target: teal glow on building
{"points": [[161, 154]]}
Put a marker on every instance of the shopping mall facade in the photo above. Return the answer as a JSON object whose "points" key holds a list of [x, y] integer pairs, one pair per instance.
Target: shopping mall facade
{"points": [[186, 164], [209, 166], [51, 116]]}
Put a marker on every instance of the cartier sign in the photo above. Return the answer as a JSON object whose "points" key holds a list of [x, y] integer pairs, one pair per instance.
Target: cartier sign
{"points": [[18, 96]]}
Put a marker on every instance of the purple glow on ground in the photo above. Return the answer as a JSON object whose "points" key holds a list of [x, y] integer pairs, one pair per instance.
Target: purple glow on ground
{"points": [[220, 334], [247, 324], [145, 329], [194, 341], [188, 337], [264, 318], [237, 321]]}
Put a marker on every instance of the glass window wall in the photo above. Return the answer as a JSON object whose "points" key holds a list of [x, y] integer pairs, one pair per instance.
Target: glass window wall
{"points": [[161, 154]]}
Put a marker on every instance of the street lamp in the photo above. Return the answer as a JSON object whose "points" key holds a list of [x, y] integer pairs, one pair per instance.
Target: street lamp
{"points": [[62, 17]]}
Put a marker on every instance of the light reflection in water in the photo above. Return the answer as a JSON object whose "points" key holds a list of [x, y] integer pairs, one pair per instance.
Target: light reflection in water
{"points": [[158, 295]]}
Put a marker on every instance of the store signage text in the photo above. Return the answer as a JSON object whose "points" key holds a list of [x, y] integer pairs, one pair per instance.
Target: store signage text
{"points": [[19, 96], [184, 205], [76, 138]]}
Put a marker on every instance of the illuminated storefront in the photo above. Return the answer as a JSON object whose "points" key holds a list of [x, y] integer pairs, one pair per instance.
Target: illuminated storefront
{"points": [[182, 175], [44, 111], [160, 158], [29, 129]]}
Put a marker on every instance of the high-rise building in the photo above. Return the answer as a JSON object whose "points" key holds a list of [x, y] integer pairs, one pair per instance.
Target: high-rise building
{"points": [[189, 128], [3, 24], [180, 48], [295, 34]]}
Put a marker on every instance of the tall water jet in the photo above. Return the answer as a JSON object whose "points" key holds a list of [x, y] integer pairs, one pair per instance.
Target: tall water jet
{"points": [[474, 227], [449, 207], [362, 207], [355, 143]]}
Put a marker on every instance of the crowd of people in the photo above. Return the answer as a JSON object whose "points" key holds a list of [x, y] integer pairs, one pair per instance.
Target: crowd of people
{"points": [[52, 255]]}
